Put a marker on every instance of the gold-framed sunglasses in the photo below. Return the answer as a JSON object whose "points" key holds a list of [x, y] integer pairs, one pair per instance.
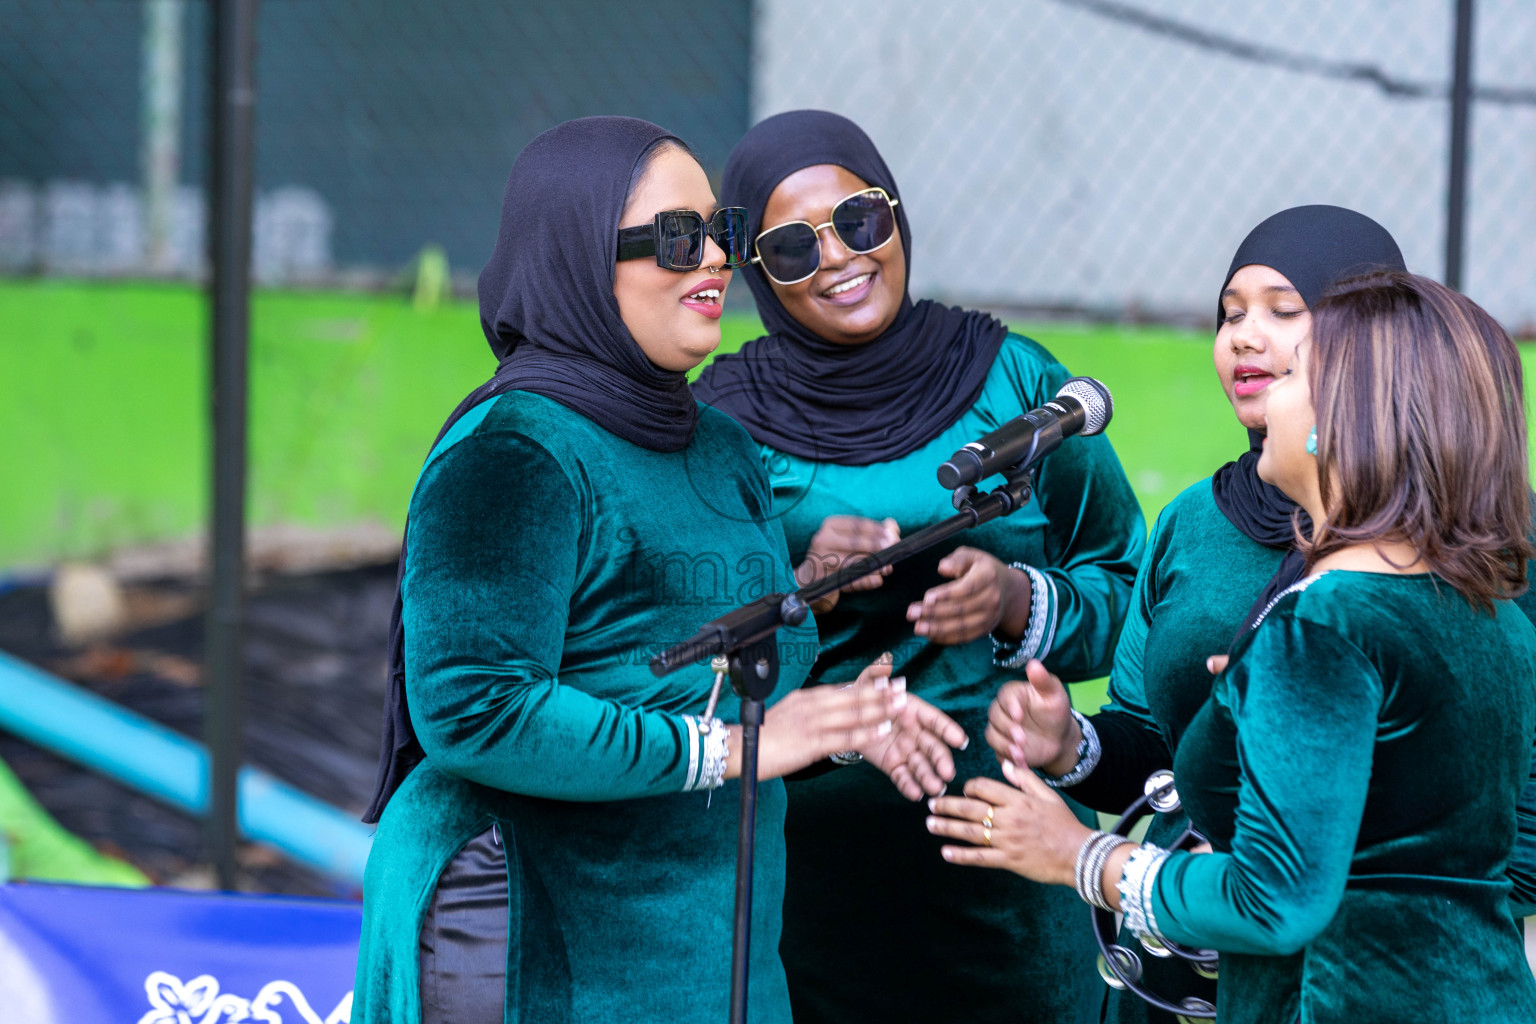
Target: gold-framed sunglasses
{"points": [[790, 253]]}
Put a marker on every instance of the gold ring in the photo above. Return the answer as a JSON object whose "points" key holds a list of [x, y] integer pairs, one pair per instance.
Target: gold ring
{"points": [[986, 822], [986, 834]]}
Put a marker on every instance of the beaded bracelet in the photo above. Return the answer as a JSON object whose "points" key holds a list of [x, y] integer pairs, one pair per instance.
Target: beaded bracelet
{"points": [[1040, 633], [709, 748], [717, 751], [1135, 886], [1088, 754]]}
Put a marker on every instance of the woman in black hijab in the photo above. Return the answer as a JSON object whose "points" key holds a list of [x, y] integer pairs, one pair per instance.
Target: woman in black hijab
{"points": [[857, 394], [1219, 552], [517, 874]]}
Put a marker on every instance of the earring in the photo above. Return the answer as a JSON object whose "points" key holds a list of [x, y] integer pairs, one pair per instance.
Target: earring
{"points": [[1312, 442]]}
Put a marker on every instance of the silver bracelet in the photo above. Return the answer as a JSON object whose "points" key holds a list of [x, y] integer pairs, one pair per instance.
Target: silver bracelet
{"points": [[709, 749], [1135, 886], [1088, 754], [1083, 853], [846, 757], [1089, 869], [1040, 633], [717, 751]]}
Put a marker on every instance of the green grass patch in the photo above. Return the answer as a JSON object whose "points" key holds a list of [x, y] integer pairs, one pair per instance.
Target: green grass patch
{"points": [[104, 426], [33, 845]]}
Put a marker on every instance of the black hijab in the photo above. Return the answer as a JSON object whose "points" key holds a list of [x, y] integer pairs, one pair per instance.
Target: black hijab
{"points": [[546, 295], [1314, 247], [848, 404], [548, 311]]}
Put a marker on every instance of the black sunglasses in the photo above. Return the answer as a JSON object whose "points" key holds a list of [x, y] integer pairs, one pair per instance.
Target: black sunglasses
{"points": [[791, 253], [676, 238]]}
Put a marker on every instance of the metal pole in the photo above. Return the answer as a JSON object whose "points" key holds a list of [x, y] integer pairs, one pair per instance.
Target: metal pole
{"points": [[1461, 118], [234, 59], [746, 849], [161, 150]]}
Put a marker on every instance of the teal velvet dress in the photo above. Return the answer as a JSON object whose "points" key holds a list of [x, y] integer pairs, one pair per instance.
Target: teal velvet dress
{"points": [[548, 560], [1197, 582], [1357, 769], [877, 926]]}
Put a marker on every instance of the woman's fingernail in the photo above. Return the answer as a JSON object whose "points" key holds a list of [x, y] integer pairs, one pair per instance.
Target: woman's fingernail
{"points": [[898, 683], [933, 805], [881, 682], [921, 629], [965, 744], [884, 729], [948, 853], [1210, 664], [899, 700]]}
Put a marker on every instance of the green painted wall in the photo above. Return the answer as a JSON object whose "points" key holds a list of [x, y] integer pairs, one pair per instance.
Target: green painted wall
{"points": [[102, 424]]}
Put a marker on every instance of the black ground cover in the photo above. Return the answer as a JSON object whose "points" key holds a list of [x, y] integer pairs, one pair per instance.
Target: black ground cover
{"points": [[314, 696]]}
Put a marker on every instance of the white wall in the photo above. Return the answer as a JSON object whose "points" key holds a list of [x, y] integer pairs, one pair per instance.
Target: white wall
{"points": [[1051, 156]]}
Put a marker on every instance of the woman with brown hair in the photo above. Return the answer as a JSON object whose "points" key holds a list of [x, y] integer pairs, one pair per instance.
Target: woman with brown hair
{"points": [[1358, 763]]}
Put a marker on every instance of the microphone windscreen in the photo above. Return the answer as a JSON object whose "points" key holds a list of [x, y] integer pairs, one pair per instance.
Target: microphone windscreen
{"points": [[1098, 405]]}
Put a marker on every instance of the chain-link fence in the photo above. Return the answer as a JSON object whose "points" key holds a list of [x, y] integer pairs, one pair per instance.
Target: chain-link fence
{"points": [[1106, 156], [382, 126], [1098, 157]]}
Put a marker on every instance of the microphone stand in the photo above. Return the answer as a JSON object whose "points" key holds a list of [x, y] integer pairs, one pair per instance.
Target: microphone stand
{"points": [[747, 637]]}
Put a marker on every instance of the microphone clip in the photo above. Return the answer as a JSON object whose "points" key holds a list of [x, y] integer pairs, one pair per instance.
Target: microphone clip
{"points": [[1012, 494]]}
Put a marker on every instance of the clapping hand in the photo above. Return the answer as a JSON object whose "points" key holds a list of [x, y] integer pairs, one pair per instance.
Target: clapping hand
{"points": [[916, 752], [985, 595], [840, 541], [1030, 723], [1026, 828], [815, 722]]}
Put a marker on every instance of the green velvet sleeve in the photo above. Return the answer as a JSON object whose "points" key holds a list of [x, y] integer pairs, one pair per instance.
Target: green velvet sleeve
{"points": [[1127, 682], [496, 532], [1132, 746], [1093, 546], [1305, 705], [1522, 863]]}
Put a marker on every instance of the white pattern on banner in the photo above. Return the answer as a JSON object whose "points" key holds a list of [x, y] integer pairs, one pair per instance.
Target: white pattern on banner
{"points": [[199, 1001]]}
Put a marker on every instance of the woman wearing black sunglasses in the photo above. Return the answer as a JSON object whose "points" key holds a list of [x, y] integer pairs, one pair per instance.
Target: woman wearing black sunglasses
{"points": [[517, 874], [857, 395]]}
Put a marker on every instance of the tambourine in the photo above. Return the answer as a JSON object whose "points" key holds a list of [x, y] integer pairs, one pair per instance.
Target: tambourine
{"points": [[1119, 966]]}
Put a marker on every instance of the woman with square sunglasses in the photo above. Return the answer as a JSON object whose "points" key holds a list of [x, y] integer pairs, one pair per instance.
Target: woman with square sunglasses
{"points": [[544, 850], [857, 395]]}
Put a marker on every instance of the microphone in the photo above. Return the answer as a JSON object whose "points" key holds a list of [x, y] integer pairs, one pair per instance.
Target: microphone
{"points": [[1082, 406]]}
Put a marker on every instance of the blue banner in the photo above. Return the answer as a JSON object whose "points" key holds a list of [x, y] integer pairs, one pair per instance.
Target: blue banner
{"points": [[82, 955]]}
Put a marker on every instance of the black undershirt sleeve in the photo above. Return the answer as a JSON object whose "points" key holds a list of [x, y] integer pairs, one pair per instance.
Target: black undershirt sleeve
{"points": [[1132, 750]]}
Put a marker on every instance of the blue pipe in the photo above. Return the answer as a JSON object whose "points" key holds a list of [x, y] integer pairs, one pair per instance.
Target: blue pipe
{"points": [[164, 764]]}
